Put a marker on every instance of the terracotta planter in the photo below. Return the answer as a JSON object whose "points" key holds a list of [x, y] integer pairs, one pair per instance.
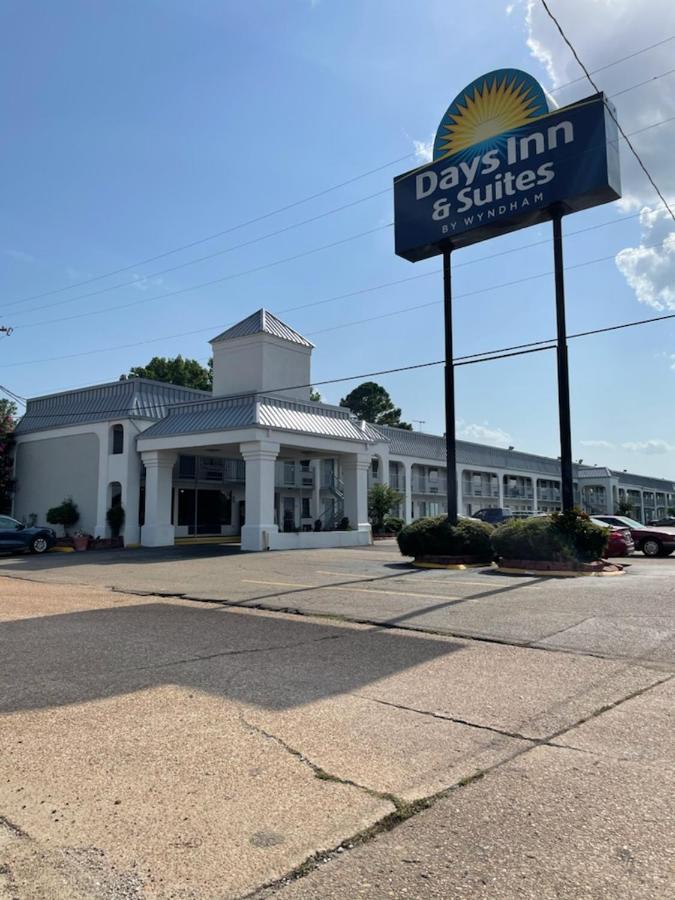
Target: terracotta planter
{"points": [[81, 542]]}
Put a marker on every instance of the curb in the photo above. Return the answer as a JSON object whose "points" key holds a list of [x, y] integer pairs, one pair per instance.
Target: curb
{"points": [[457, 566], [557, 573]]}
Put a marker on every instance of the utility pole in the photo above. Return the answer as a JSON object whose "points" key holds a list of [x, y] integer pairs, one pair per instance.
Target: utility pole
{"points": [[420, 422]]}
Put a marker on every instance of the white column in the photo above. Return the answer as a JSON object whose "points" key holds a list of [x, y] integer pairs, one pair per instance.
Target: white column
{"points": [[158, 530], [130, 495], [535, 496], [317, 509], [407, 512], [500, 476], [355, 475], [260, 458]]}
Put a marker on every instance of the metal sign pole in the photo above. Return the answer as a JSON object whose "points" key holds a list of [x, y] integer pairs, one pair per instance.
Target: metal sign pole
{"points": [[450, 448], [566, 472]]}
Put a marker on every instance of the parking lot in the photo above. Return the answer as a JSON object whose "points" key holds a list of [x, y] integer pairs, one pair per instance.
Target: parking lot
{"points": [[631, 616], [199, 723]]}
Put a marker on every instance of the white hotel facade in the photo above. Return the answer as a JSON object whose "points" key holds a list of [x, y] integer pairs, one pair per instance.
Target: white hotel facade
{"points": [[257, 457]]}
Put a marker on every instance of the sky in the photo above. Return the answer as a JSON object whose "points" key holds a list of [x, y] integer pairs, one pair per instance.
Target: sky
{"points": [[131, 129]]}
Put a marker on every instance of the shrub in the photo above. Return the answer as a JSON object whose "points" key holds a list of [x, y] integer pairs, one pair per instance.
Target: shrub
{"points": [[381, 500], [562, 537], [393, 524], [115, 518], [67, 514], [436, 537]]}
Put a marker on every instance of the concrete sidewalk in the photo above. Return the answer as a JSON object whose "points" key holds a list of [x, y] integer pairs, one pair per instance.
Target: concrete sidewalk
{"points": [[154, 748]]}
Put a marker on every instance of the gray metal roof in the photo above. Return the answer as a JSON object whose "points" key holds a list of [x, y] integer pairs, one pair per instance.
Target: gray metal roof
{"points": [[432, 447], [263, 322], [225, 413], [131, 398], [646, 482]]}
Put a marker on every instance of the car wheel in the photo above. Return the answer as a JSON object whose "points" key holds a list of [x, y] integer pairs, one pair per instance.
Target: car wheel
{"points": [[39, 544], [651, 547]]}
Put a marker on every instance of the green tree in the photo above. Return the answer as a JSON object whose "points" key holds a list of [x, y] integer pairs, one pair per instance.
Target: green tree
{"points": [[7, 415], [370, 401], [624, 508], [381, 500], [175, 370], [314, 395]]}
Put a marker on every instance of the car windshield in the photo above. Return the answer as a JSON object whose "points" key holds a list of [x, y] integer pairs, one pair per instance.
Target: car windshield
{"points": [[9, 522], [631, 523]]}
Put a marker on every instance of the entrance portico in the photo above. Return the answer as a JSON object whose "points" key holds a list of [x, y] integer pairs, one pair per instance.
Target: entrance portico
{"points": [[327, 449]]}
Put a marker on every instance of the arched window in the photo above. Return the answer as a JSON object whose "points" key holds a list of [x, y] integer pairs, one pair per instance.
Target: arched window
{"points": [[117, 441]]}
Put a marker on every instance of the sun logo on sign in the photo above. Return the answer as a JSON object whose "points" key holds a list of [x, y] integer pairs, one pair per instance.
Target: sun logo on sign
{"points": [[488, 110]]}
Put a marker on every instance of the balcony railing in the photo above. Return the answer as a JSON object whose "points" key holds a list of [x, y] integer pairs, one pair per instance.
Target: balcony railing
{"points": [[422, 485], [397, 482], [471, 490]]}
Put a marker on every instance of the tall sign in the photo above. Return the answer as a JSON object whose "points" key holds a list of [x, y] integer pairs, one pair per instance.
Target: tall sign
{"points": [[504, 160]]}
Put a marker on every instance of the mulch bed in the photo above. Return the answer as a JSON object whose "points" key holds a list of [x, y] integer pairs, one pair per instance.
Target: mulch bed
{"points": [[597, 567]]}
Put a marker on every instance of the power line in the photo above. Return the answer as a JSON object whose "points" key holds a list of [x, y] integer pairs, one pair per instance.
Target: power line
{"points": [[349, 294], [609, 109], [134, 282], [614, 63], [12, 395], [255, 269], [311, 197], [468, 359], [140, 279], [217, 234], [230, 277]]}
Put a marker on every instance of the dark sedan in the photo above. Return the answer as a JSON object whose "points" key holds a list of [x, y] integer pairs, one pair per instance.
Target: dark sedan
{"points": [[15, 536], [668, 521], [652, 541]]}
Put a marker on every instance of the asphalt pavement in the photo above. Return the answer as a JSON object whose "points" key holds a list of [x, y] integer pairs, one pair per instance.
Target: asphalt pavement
{"points": [[331, 724]]}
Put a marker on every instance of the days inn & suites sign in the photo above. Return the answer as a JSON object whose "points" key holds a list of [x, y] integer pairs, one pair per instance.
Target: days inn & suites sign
{"points": [[502, 160]]}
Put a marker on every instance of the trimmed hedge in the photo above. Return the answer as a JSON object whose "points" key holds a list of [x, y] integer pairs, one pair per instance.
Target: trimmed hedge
{"points": [[562, 537], [436, 537], [393, 524]]}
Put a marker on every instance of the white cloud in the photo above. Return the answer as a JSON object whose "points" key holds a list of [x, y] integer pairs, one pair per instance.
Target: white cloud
{"points": [[484, 434], [424, 150], [650, 268], [601, 445], [19, 255], [145, 282], [651, 447], [604, 31]]}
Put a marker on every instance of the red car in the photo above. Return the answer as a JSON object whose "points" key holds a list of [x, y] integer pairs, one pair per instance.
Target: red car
{"points": [[652, 541], [620, 539]]}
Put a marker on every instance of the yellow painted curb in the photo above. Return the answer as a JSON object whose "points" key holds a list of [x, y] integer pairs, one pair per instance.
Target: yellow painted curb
{"points": [[224, 539], [62, 550], [538, 573], [457, 566]]}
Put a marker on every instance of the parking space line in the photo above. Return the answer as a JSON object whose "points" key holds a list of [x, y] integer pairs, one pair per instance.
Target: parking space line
{"points": [[349, 590], [425, 580]]}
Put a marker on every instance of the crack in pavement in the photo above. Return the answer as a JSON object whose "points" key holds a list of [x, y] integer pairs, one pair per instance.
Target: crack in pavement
{"points": [[318, 771], [434, 715], [408, 810]]}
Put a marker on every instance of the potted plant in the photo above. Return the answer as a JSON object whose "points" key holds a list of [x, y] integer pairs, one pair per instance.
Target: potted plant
{"points": [[115, 519], [81, 541], [66, 514]]}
